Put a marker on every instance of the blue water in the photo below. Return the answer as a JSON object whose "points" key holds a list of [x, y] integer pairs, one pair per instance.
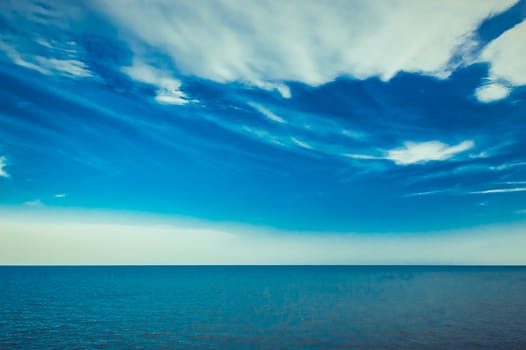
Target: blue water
{"points": [[305, 307]]}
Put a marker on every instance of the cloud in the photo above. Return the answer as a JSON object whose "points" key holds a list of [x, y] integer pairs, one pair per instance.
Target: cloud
{"points": [[3, 164], [506, 56], [34, 203], [514, 182], [167, 87], [492, 92], [268, 43], [507, 166], [361, 156], [413, 152], [60, 195], [17, 59], [283, 89], [74, 68], [70, 67], [267, 113], [500, 190], [300, 143], [427, 193]]}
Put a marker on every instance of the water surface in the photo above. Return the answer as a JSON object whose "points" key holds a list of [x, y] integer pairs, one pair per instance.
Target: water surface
{"points": [[268, 307]]}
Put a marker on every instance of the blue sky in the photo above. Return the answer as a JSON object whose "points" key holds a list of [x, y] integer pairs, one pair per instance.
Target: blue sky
{"points": [[294, 118]]}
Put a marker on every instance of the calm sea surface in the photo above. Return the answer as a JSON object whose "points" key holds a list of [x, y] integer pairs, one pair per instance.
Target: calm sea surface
{"points": [[273, 307]]}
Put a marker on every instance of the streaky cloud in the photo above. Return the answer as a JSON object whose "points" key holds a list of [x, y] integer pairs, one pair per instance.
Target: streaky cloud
{"points": [[507, 166], [65, 64], [74, 68], [300, 143], [3, 164], [360, 156], [427, 193], [500, 190], [267, 113]]}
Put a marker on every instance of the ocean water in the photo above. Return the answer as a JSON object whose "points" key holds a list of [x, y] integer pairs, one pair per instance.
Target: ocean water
{"points": [[272, 307]]}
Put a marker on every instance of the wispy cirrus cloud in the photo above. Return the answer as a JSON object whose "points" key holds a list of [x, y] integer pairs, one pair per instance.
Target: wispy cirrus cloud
{"points": [[500, 190], [361, 156], [506, 166], [428, 193], [267, 113], [301, 143], [66, 63], [71, 67], [514, 182], [3, 164]]}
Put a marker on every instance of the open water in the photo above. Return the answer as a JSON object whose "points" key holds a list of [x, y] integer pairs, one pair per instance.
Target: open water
{"points": [[262, 307]]}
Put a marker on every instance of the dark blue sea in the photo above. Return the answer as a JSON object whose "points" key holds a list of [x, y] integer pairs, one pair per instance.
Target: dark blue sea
{"points": [[271, 307]]}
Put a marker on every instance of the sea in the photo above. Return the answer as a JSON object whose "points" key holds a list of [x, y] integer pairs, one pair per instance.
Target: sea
{"points": [[262, 307]]}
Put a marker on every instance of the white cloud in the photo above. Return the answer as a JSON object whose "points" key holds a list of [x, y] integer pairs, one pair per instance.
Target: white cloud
{"points": [[500, 190], [507, 64], [45, 43], [492, 92], [3, 164], [300, 143], [167, 87], [283, 89], [360, 156], [507, 166], [171, 97], [506, 55], [416, 152], [70, 67], [413, 152], [60, 195], [354, 135], [479, 155], [267, 113], [266, 43], [427, 193], [17, 59], [43, 236]]}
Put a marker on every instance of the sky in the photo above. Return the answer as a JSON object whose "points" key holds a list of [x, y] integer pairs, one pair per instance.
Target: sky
{"points": [[262, 132]]}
